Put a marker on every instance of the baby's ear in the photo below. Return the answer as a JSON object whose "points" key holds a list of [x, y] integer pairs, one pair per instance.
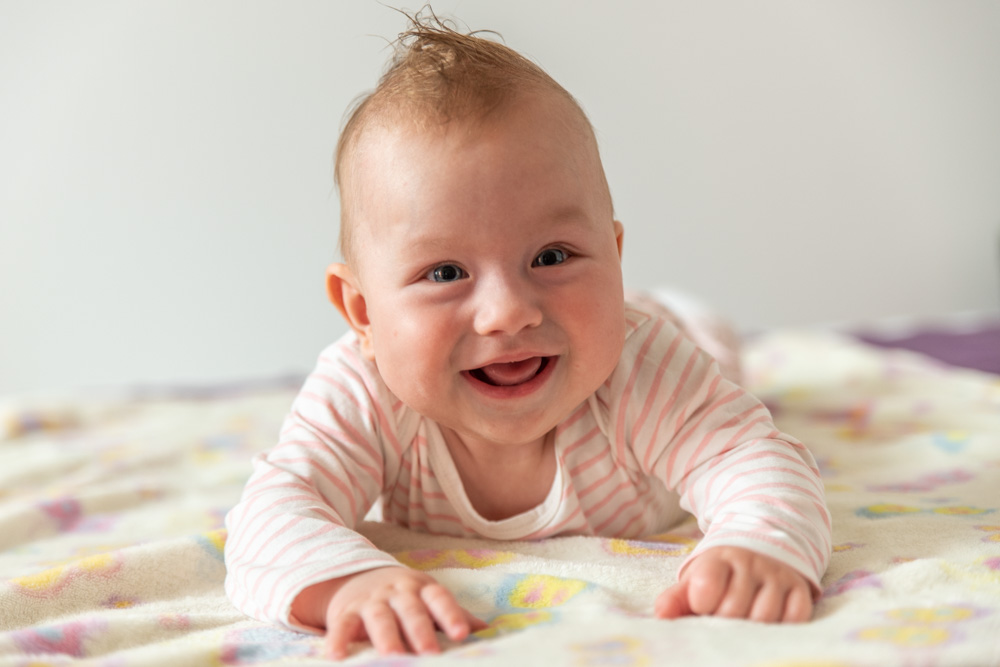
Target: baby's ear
{"points": [[345, 293]]}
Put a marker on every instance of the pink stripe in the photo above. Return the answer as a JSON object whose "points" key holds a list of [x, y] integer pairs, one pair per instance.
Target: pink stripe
{"points": [[403, 488], [258, 492], [665, 412], [404, 508], [720, 463], [595, 485], [268, 567], [772, 502], [254, 481], [273, 536], [654, 388], [582, 440], [752, 495], [417, 506], [626, 393], [356, 540], [556, 529], [286, 603], [624, 530], [445, 517], [274, 578], [814, 556], [639, 317], [581, 467], [795, 461], [345, 490], [387, 430], [235, 543], [245, 508], [234, 552], [805, 491], [339, 430], [792, 529], [713, 383], [581, 411], [594, 509], [621, 508], [780, 544], [335, 384], [325, 451], [824, 514], [681, 440], [237, 551]]}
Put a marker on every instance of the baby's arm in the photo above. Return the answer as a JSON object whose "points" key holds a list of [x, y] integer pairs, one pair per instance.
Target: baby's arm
{"points": [[756, 491], [738, 583], [293, 556], [396, 608], [294, 525]]}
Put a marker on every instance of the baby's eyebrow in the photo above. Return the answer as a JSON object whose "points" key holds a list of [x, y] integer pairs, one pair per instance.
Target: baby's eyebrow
{"points": [[567, 213], [430, 242], [556, 218]]}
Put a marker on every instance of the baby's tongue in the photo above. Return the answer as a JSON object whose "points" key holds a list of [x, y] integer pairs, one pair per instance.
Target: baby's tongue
{"points": [[513, 373]]}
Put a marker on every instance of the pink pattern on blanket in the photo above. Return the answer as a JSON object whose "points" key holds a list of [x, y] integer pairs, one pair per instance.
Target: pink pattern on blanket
{"points": [[65, 639]]}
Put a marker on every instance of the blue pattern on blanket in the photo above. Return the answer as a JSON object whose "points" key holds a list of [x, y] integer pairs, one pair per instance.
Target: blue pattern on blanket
{"points": [[111, 535]]}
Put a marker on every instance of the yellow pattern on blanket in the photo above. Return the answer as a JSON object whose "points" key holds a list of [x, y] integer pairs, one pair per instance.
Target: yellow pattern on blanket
{"points": [[111, 534]]}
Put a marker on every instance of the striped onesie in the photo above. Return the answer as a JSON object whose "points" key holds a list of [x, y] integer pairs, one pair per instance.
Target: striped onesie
{"points": [[665, 435]]}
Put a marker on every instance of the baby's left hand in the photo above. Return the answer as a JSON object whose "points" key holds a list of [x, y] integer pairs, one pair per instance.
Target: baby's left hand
{"points": [[738, 583]]}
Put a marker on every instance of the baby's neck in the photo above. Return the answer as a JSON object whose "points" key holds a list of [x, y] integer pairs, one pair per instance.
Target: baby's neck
{"points": [[502, 482]]}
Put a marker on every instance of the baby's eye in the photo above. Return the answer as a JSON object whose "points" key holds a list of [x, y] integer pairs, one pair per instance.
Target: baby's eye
{"points": [[551, 257], [446, 273]]}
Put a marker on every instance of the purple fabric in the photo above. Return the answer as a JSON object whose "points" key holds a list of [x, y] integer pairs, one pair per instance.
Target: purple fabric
{"points": [[979, 348]]}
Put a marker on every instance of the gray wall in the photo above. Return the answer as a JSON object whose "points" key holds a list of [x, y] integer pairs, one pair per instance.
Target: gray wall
{"points": [[166, 207]]}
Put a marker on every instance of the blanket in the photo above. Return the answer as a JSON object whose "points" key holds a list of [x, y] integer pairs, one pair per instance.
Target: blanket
{"points": [[111, 533]]}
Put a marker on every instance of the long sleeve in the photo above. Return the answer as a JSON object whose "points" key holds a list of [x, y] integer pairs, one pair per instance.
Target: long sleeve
{"points": [[293, 526], [715, 445]]}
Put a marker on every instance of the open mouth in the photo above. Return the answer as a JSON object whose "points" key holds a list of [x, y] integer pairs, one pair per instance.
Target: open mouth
{"points": [[512, 373]]}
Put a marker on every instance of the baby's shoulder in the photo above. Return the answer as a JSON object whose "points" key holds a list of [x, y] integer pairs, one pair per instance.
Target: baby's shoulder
{"points": [[648, 324], [342, 365], [643, 311], [349, 384]]}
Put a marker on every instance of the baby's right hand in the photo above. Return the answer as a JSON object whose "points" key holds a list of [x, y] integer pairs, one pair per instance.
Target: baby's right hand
{"points": [[394, 607]]}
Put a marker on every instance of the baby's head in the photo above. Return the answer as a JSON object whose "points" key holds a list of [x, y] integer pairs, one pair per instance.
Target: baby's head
{"points": [[482, 270], [440, 78]]}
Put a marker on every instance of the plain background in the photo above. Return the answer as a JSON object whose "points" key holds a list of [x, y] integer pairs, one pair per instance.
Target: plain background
{"points": [[167, 210]]}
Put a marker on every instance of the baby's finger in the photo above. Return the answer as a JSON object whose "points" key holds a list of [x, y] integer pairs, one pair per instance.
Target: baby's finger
{"points": [[768, 605], [415, 620], [382, 628], [475, 623], [450, 617], [340, 632], [673, 602], [708, 585], [798, 605], [739, 597]]}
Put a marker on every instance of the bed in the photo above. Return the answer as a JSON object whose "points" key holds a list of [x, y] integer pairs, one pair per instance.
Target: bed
{"points": [[111, 529]]}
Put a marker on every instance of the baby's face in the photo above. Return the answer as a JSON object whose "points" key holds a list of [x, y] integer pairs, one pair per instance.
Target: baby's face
{"points": [[490, 265]]}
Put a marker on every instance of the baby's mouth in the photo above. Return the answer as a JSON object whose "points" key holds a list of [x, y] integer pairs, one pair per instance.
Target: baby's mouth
{"points": [[510, 374]]}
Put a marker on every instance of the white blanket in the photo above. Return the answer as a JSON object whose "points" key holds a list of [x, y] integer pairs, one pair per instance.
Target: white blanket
{"points": [[111, 534]]}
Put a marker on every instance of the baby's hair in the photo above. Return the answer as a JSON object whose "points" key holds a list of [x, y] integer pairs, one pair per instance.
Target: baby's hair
{"points": [[438, 74]]}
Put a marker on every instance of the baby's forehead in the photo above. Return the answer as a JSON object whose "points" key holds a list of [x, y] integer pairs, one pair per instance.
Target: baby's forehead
{"points": [[406, 128], [390, 144]]}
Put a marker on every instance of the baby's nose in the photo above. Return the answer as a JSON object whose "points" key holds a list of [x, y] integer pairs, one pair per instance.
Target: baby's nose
{"points": [[506, 306]]}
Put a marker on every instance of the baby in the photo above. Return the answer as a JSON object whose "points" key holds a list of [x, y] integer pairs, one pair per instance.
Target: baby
{"points": [[495, 383]]}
